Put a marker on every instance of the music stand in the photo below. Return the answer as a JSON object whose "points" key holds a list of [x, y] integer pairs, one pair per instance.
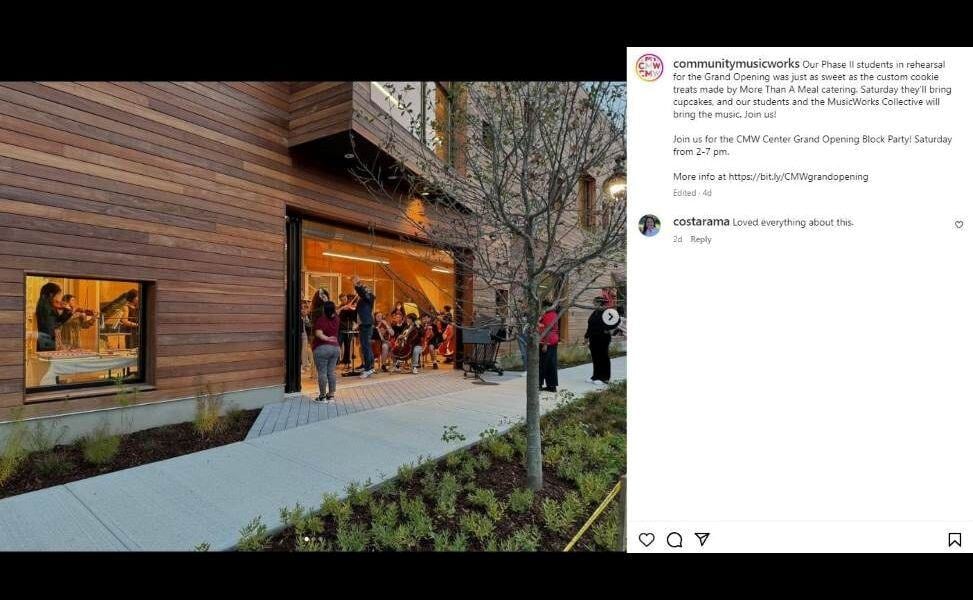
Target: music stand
{"points": [[351, 337]]}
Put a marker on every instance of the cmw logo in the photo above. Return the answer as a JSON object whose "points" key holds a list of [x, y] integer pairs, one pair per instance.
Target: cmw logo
{"points": [[648, 67]]}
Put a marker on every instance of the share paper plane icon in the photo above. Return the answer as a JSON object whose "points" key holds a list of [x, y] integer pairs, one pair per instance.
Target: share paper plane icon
{"points": [[702, 537]]}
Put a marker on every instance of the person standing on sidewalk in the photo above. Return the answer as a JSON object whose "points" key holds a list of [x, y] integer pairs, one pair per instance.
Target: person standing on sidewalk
{"points": [[325, 350], [549, 341], [599, 339], [366, 322]]}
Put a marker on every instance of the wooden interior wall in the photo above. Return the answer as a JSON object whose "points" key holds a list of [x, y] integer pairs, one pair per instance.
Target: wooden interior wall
{"points": [[183, 184]]}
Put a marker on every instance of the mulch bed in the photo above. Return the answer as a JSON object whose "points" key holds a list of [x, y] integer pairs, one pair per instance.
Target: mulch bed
{"points": [[135, 449], [502, 477]]}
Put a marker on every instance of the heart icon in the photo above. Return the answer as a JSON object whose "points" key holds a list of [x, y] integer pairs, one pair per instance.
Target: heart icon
{"points": [[959, 224], [646, 539]]}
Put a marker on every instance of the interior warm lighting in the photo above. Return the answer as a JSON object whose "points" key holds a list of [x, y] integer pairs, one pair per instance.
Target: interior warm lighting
{"points": [[380, 261], [441, 270]]}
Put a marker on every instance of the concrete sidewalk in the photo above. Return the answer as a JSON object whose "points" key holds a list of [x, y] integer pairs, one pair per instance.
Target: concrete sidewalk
{"points": [[208, 496]]}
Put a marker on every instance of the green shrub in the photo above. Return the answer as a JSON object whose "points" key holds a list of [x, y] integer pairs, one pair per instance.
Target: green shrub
{"points": [[406, 473], [477, 525], [551, 512], [451, 433], [571, 467], [441, 542], [448, 486], [14, 449], [339, 510], [498, 447], [526, 539], [351, 537], [559, 517], [101, 445], [358, 495], [467, 469], [487, 500], [553, 455], [418, 520], [446, 495], [519, 440], [604, 533], [202, 547], [209, 405], [454, 459], [593, 487], [234, 416], [304, 522], [253, 536], [397, 538], [52, 464], [571, 507], [521, 500], [430, 484], [45, 436], [483, 462], [384, 513]]}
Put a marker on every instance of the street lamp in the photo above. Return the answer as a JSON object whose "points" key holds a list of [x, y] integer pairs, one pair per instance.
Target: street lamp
{"points": [[616, 185]]}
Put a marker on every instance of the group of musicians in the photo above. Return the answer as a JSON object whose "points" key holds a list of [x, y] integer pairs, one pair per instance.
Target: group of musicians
{"points": [[393, 339], [59, 320]]}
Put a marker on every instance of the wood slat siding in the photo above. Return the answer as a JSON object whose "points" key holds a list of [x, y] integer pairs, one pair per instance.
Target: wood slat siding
{"points": [[319, 110], [182, 184]]}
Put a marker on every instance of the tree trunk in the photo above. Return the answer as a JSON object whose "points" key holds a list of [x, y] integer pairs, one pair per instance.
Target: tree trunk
{"points": [[535, 469]]}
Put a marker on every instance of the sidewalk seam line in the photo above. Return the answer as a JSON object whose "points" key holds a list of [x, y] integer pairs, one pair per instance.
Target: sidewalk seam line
{"points": [[97, 518]]}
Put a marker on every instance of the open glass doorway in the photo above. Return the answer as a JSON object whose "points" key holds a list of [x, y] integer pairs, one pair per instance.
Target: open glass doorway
{"points": [[325, 255]]}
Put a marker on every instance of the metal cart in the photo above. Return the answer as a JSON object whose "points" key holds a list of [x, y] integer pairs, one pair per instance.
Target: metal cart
{"points": [[480, 348]]}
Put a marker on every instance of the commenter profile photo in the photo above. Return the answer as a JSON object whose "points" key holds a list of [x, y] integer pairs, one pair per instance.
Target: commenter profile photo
{"points": [[649, 225]]}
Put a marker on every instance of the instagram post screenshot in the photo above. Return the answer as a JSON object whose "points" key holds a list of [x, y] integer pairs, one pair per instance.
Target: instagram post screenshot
{"points": [[454, 310], [802, 233]]}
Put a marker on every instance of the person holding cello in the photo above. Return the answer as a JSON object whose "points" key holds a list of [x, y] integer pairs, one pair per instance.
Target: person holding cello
{"points": [[382, 339], [409, 342]]}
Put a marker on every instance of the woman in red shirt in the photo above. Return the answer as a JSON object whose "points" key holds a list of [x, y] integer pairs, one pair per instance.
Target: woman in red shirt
{"points": [[325, 349], [549, 340]]}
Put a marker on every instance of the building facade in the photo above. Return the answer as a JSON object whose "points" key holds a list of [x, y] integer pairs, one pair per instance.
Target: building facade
{"points": [[189, 219]]}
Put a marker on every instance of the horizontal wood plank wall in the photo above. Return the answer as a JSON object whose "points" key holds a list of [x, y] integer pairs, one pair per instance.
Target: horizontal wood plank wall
{"points": [[185, 184], [319, 109]]}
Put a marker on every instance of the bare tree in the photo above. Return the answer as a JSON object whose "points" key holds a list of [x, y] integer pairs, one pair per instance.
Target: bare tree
{"points": [[506, 172]]}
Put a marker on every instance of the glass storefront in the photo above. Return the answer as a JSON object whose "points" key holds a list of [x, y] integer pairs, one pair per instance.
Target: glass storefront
{"points": [[81, 331]]}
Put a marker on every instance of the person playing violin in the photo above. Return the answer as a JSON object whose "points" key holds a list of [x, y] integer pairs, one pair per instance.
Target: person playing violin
{"points": [[70, 330], [50, 314]]}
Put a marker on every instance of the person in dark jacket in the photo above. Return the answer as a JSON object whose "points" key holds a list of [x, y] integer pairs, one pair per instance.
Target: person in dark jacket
{"points": [[599, 339], [49, 316], [366, 323], [348, 319]]}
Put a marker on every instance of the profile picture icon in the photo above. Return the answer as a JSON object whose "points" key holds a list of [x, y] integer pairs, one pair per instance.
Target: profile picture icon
{"points": [[649, 225], [649, 67]]}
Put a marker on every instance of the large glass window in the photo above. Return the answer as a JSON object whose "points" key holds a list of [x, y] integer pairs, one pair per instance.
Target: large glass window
{"points": [[424, 108], [420, 277], [81, 332]]}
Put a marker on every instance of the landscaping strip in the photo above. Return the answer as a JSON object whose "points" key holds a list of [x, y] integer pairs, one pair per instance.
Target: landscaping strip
{"points": [[474, 499]]}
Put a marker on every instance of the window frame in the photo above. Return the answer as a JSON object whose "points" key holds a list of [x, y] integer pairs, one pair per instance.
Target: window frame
{"points": [[587, 200], [50, 392]]}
